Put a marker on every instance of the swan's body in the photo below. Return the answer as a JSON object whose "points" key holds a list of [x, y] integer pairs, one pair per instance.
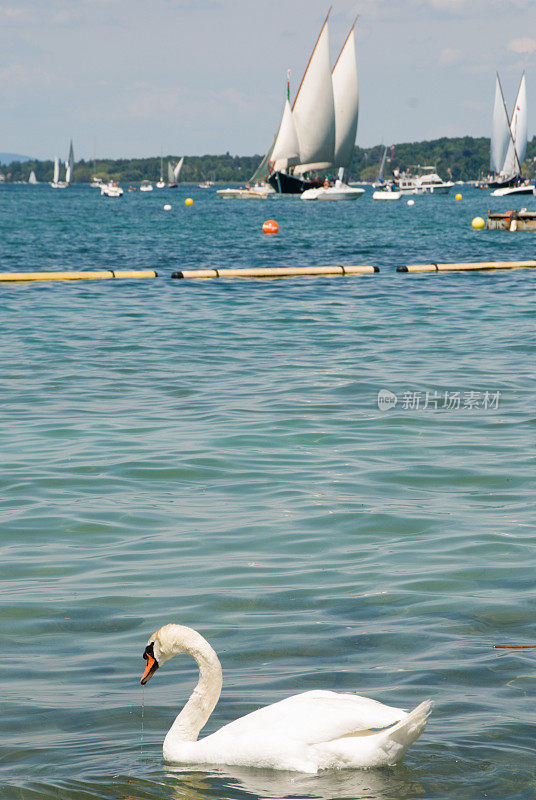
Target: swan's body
{"points": [[306, 732]]}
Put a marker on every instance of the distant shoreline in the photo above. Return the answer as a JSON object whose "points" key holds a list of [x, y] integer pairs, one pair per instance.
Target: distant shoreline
{"points": [[459, 158]]}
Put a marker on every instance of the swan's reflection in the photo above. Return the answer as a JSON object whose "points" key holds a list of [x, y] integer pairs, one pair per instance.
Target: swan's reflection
{"points": [[240, 782]]}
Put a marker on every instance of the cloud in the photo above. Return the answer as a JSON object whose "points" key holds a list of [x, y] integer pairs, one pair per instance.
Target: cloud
{"points": [[16, 76], [448, 56], [523, 45], [14, 14]]}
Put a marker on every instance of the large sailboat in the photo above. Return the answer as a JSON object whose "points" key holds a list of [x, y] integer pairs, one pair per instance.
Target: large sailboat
{"points": [[508, 142], [317, 133]]}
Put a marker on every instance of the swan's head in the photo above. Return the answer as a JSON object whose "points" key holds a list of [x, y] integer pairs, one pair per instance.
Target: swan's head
{"points": [[163, 645]]}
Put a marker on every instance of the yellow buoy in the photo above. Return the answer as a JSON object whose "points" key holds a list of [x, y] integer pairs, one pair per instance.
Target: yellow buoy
{"points": [[458, 197], [478, 223], [188, 201]]}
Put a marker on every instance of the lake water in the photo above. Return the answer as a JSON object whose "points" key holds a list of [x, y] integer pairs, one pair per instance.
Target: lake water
{"points": [[212, 453]]}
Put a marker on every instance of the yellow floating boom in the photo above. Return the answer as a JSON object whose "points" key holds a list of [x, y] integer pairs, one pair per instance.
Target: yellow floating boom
{"points": [[467, 266], [84, 275], [273, 272]]}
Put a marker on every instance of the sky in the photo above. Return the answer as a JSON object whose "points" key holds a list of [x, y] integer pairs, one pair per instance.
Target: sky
{"points": [[127, 78]]}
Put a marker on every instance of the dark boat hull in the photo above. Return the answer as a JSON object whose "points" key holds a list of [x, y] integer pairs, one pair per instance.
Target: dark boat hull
{"points": [[497, 184], [290, 184]]}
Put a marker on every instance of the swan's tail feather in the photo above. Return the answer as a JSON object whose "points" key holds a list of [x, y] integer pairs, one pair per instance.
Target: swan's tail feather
{"points": [[402, 735], [373, 748]]}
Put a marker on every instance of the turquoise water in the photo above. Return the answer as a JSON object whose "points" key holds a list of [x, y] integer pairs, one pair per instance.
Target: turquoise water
{"points": [[212, 453]]}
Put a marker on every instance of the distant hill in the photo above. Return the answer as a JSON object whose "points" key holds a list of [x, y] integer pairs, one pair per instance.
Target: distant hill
{"points": [[8, 158]]}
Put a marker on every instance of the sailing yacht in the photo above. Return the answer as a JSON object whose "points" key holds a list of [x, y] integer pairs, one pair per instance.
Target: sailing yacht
{"points": [[346, 108], [174, 171], [508, 143], [69, 167], [32, 179], [56, 183], [318, 131]]}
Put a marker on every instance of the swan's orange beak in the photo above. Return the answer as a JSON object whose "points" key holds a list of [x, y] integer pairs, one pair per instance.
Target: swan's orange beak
{"points": [[152, 664]]}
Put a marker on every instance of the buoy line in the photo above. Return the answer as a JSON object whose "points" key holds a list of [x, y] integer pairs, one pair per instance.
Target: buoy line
{"points": [[83, 275], [476, 265], [273, 272]]}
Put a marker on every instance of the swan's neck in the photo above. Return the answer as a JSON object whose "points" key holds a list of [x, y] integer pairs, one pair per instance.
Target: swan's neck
{"points": [[204, 697]]}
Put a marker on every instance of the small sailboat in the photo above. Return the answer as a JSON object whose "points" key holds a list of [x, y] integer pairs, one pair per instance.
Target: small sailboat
{"points": [[32, 179], [174, 171], [385, 191], [161, 184]]}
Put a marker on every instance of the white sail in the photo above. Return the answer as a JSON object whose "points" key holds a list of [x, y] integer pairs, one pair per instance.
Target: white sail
{"points": [[170, 175], [69, 164], [314, 111], [32, 178], [518, 133], [56, 170], [346, 102], [500, 132], [177, 169], [286, 148]]}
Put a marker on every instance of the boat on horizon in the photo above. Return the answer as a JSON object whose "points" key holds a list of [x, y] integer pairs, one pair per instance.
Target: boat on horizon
{"points": [[174, 171], [160, 183], [69, 167], [32, 179], [146, 186]]}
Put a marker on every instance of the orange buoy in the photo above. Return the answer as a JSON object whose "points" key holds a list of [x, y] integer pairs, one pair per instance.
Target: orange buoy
{"points": [[270, 226]]}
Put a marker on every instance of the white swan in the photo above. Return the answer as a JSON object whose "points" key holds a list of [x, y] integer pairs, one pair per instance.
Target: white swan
{"points": [[306, 732]]}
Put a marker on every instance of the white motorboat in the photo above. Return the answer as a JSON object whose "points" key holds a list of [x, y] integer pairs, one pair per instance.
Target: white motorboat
{"points": [[258, 192], [425, 180], [506, 191], [110, 189], [340, 191], [146, 186], [386, 194]]}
